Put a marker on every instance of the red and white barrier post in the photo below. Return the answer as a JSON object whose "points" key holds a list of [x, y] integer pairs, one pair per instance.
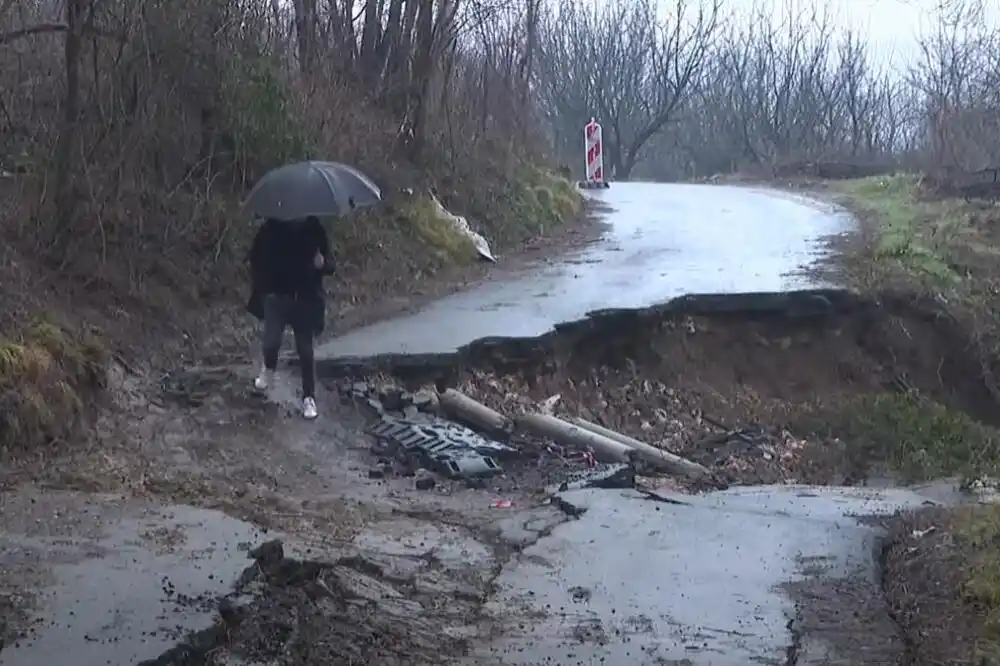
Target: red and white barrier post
{"points": [[594, 150]]}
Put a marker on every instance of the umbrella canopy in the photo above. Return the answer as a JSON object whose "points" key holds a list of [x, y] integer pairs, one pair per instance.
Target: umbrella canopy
{"points": [[299, 190]]}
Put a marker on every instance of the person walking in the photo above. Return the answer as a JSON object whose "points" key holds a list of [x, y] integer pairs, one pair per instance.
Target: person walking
{"points": [[288, 261]]}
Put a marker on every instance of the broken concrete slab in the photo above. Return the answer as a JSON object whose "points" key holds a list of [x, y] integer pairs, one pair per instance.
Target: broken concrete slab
{"points": [[449, 448], [132, 580], [694, 583], [597, 329]]}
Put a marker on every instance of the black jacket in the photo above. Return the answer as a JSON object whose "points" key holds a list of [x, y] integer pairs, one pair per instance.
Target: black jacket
{"points": [[281, 262]]}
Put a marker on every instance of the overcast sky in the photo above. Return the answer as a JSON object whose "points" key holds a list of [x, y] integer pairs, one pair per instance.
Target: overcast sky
{"points": [[892, 26]]}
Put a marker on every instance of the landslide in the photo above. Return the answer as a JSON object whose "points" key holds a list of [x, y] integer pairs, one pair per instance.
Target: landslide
{"points": [[815, 386]]}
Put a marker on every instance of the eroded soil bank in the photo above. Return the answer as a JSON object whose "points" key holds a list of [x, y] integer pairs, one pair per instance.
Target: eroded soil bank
{"points": [[821, 375]]}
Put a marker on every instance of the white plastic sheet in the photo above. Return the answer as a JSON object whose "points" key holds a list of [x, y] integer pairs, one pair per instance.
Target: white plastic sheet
{"points": [[461, 225]]}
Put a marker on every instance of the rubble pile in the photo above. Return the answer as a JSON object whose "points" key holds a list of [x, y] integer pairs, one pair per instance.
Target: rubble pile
{"points": [[413, 438], [624, 401], [669, 418], [410, 439]]}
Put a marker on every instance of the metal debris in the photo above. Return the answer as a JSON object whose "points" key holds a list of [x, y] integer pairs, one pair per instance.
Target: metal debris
{"points": [[448, 448]]}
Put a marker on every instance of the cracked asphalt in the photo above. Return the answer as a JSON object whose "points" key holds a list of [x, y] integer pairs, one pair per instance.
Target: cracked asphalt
{"points": [[723, 579]]}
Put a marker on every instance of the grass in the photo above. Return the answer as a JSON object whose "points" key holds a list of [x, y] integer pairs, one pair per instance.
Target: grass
{"points": [[950, 248], [945, 246], [979, 532], [47, 378], [911, 236], [977, 536], [436, 231], [916, 437], [544, 199], [942, 583], [540, 201]]}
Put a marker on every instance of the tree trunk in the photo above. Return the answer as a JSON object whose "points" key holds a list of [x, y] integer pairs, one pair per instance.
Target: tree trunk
{"points": [[527, 62], [388, 46], [65, 163], [421, 82], [370, 37], [305, 30]]}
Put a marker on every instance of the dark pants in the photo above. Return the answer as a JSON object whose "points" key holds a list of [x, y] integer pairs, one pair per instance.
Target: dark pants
{"points": [[280, 312]]}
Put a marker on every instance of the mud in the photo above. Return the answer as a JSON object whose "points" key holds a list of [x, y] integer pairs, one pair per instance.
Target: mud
{"points": [[375, 570], [348, 610], [525, 567], [173, 586], [406, 591]]}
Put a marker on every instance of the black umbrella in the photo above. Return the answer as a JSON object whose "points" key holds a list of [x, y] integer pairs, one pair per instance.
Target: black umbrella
{"points": [[322, 189]]}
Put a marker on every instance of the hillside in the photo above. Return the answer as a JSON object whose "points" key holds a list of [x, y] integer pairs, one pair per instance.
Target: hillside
{"points": [[129, 135]]}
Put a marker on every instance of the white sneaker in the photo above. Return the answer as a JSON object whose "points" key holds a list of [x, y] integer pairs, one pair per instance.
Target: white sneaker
{"points": [[309, 410], [264, 379]]}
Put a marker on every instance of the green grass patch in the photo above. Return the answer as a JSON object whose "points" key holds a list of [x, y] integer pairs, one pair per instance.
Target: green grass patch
{"points": [[543, 199], [47, 377], [911, 235], [420, 216], [918, 438], [538, 201]]}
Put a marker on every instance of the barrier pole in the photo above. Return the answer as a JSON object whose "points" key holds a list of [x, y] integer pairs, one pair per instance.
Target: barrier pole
{"points": [[594, 155]]}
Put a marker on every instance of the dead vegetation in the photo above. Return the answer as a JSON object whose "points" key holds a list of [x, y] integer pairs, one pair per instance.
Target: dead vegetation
{"points": [[48, 378], [830, 388]]}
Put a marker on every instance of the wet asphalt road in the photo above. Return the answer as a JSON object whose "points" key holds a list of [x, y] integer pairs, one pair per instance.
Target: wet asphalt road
{"points": [[116, 581], [696, 583], [663, 241], [632, 580]]}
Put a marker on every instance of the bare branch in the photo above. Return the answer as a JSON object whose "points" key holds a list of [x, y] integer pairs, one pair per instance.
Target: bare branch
{"points": [[48, 28]]}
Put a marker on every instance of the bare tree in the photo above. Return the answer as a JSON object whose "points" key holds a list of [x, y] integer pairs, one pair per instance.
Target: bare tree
{"points": [[65, 163], [958, 80], [781, 93], [625, 64], [129, 111]]}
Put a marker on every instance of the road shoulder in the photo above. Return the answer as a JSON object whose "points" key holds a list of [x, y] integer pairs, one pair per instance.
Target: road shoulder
{"points": [[942, 583]]}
